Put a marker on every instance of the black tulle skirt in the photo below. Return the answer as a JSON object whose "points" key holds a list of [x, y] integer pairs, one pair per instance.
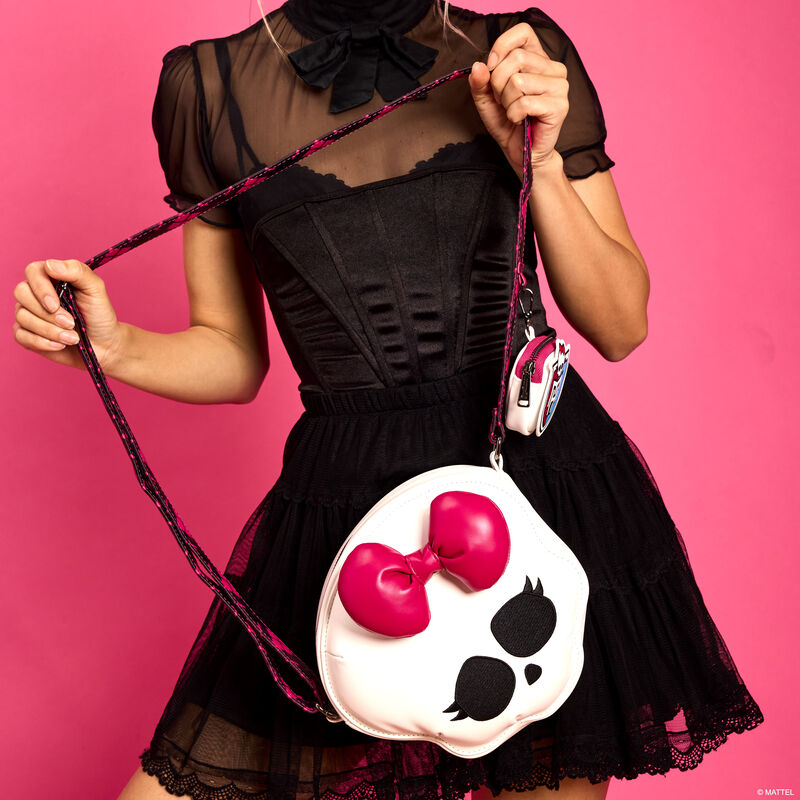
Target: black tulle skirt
{"points": [[658, 690]]}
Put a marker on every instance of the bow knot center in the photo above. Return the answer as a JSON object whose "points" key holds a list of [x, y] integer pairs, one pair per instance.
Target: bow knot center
{"points": [[424, 562], [365, 32]]}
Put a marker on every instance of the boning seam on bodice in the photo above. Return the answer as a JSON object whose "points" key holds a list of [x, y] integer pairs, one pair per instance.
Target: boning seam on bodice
{"points": [[469, 257], [409, 333], [361, 344], [355, 301], [442, 245]]}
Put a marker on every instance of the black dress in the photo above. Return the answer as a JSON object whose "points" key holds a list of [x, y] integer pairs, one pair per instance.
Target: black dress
{"points": [[387, 260]]}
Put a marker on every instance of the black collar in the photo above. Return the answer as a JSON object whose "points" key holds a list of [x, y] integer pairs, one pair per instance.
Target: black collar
{"points": [[360, 47]]}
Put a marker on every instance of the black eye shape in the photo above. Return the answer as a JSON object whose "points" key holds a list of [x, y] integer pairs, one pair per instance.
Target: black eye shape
{"points": [[523, 624], [484, 688]]}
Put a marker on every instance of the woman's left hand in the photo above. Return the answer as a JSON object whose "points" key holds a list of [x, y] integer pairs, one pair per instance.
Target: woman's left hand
{"points": [[523, 81]]}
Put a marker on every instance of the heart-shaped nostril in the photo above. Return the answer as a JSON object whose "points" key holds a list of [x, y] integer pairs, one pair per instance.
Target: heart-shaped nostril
{"points": [[532, 673]]}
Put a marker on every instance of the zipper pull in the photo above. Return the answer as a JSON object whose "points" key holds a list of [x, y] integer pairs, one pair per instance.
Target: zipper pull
{"points": [[524, 399]]}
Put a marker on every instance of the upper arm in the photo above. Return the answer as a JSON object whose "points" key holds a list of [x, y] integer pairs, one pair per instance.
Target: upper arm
{"points": [[183, 132], [223, 288], [222, 284]]}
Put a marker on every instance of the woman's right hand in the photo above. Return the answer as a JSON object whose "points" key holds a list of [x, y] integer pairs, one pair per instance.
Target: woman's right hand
{"points": [[41, 321]]}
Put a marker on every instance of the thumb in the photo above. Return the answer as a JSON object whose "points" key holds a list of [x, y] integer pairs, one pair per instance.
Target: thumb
{"points": [[489, 108], [480, 87], [77, 273]]}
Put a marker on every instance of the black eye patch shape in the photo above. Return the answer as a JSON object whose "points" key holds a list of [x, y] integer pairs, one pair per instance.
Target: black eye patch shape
{"points": [[523, 624], [484, 688]]}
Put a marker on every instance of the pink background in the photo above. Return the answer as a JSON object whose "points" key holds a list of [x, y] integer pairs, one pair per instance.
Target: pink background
{"points": [[99, 605]]}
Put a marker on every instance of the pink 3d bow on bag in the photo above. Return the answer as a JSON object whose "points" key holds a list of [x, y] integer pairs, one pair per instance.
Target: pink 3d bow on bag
{"points": [[384, 590]]}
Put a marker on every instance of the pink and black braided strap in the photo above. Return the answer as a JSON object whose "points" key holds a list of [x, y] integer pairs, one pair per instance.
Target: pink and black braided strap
{"points": [[264, 638], [497, 432]]}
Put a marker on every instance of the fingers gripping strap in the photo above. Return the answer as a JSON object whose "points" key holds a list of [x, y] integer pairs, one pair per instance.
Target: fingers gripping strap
{"points": [[265, 639]]}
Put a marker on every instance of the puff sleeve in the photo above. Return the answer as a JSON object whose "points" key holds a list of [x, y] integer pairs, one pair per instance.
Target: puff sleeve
{"points": [[180, 125], [581, 141]]}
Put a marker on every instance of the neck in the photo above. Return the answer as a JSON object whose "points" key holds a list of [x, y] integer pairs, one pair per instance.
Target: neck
{"points": [[317, 17]]}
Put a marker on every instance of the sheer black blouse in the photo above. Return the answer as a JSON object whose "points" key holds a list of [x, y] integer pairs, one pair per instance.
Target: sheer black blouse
{"points": [[387, 256]]}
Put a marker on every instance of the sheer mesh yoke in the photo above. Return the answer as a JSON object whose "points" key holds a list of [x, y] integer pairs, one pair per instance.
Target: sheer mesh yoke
{"points": [[387, 260], [228, 106]]}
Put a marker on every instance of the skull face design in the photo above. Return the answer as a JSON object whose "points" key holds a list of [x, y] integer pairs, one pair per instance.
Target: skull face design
{"points": [[490, 660], [522, 626]]}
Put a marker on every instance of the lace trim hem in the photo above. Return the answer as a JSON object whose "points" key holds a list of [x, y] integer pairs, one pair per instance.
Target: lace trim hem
{"points": [[472, 776]]}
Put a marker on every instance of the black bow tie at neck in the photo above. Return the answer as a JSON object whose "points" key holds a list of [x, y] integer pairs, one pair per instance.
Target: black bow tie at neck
{"points": [[360, 58]]}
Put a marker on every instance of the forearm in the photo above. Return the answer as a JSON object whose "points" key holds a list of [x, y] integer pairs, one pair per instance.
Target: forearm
{"points": [[196, 365], [600, 286]]}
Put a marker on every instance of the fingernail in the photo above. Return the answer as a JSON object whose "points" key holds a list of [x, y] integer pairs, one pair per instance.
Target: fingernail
{"points": [[54, 264], [65, 320], [492, 60], [50, 302], [70, 337]]}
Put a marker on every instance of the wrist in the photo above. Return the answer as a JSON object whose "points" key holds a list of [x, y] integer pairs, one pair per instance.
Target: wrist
{"points": [[550, 167], [115, 353]]}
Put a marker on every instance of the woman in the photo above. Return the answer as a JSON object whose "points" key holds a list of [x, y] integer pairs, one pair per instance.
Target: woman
{"points": [[387, 261]]}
